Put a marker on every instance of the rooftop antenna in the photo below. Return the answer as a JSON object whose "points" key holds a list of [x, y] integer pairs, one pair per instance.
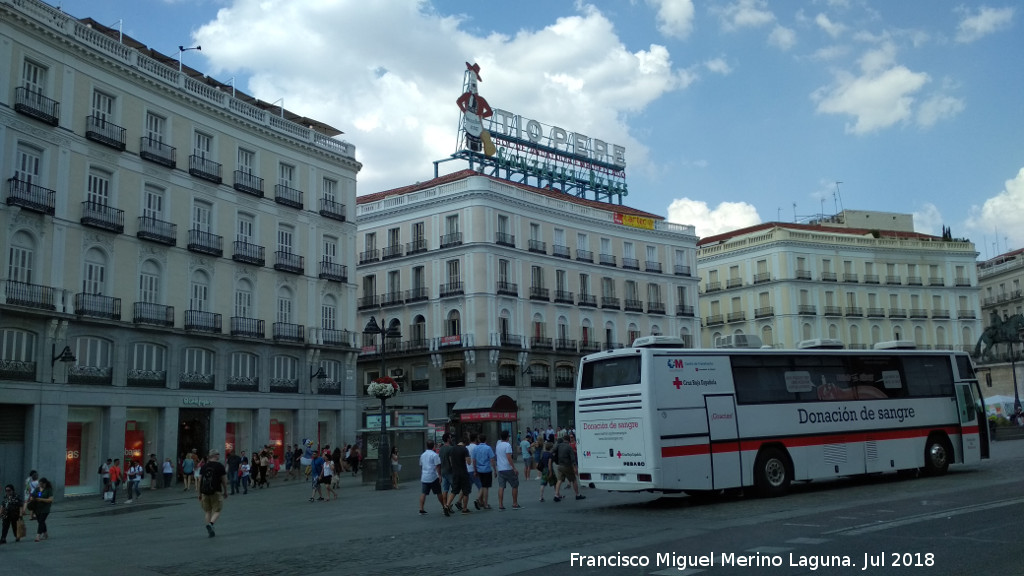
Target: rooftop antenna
{"points": [[232, 83], [281, 100], [838, 198], [120, 29], [794, 213], [182, 49]]}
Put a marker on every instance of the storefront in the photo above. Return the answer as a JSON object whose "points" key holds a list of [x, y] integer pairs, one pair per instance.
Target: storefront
{"points": [[488, 414]]}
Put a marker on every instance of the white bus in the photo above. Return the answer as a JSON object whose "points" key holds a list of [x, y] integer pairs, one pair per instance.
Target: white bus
{"points": [[653, 418]]}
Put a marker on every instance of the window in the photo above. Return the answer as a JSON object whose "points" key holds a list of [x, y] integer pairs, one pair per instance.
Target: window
{"points": [[285, 238], [394, 284], [536, 277], [329, 313], [653, 293], [156, 127], [202, 146], [285, 368], [451, 224], [453, 271], [606, 246], [330, 249], [33, 78], [97, 190], [286, 175], [198, 361], [631, 292], [94, 277], [502, 224], [503, 271], [370, 241], [534, 231], [246, 161], [149, 282], [243, 299], [559, 237], [153, 202], [20, 257], [148, 357], [28, 166], [652, 254], [394, 237], [246, 224], [629, 250], [561, 281], [582, 242], [584, 285], [417, 231], [453, 326], [330, 190], [199, 292], [93, 352], [201, 215], [245, 366], [607, 287], [419, 278], [284, 305]]}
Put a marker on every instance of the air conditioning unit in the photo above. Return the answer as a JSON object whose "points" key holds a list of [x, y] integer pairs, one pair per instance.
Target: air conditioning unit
{"points": [[738, 341], [397, 373]]}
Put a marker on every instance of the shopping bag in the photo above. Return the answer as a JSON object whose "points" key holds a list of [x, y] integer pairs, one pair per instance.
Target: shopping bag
{"points": [[108, 495], [20, 529]]}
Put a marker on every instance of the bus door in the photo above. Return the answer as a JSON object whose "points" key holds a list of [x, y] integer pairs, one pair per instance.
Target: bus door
{"points": [[724, 441], [970, 438]]}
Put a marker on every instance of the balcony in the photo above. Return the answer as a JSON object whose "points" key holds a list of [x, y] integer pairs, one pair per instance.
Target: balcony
{"points": [[762, 277], [833, 311], [416, 246], [243, 384], [850, 277], [510, 340], [538, 246], [98, 129], [587, 347], [248, 183], [91, 375], [247, 327], [17, 370], [451, 289], [650, 266], [247, 253], [102, 216], [200, 321], [897, 312], [205, 243], [333, 271], [559, 251], [285, 332], [540, 343], [392, 252], [564, 297], [807, 310], [630, 264], [204, 168], [714, 320], [147, 378], [30, 197], [196, 381], [417, 294], [871, 279], [894, 280], [368, 256], [505, 239], [828, 277], [608, 260], [936, 281], [734, 283], [961, 281], [764, 312], [449, 240], [37, 106], [918, 313], [156, 151], [681, 270], [540, 293], [610, 302], [940, 313], [712, 287], [914, 281], [584, 255], [854, 312], [153, 314], [97, 306], [288, 262], [587, 300], [156, 230], [876, 312], [632, 305], [803, 274], [564, 344], [392, 298], [684, 310], [505, 288], [736, 317], [966, 314], [31, 295], [332, 337], [331, 209], [417, 345], [286, 196], [655, 307], [284, 385], [367, 302]]}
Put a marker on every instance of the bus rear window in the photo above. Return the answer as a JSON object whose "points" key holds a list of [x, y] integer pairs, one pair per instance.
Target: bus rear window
{"points": [[618, 371]]}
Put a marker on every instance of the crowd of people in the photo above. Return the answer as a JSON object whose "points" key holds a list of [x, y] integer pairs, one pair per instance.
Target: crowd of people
{"points": [[33, 503]]}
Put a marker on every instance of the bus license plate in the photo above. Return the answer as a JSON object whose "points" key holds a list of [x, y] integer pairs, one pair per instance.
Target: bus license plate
{"points": [[612, 476]]}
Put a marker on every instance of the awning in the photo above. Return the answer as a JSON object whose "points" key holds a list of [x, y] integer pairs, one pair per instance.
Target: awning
{"points": [[486, 408]]}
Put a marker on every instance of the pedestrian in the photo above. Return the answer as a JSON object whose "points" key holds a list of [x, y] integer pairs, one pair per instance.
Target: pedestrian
{"points": [[39, 504], [188, 468], [31, 486], [565, 458], [327, 478], [474, 478], [525, 450], [135, 472], [10, 513], [264, 466], [104, 471], [483, 461], [396, 467], [316, 469], [213, 485], [446, 466], [507, 472], [460, 461], [289, 458], [355, 457], [430, 478], [244, 469], [233, 462], [116, 476], [153, 469], [197, 471], [336, 460], [168, 470], [546, 469]]}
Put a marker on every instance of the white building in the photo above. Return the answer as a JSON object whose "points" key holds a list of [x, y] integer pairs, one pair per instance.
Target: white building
{"points": [[791, 282], [500, 288], [186, 247]]}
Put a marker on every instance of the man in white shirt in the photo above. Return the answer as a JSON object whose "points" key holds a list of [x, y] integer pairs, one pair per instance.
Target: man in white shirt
{"points": [[430, 477], [507, 473]]}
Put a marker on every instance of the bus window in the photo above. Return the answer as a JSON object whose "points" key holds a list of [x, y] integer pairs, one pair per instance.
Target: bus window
{"points": [[618, 371], [965, 367], [928, 375]]}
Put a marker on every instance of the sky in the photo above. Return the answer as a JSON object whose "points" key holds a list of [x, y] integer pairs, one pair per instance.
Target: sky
{"points": [[732, 112]]}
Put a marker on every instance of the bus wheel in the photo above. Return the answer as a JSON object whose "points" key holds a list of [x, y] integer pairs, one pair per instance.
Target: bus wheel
{"points": [[771, 472], [936, 456]]}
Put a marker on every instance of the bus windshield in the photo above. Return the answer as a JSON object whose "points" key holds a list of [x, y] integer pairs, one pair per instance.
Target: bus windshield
{"points": [[618, 371]]}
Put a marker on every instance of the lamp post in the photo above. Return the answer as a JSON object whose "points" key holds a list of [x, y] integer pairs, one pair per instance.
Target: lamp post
{"points": [[182, 49], [383, 446]]}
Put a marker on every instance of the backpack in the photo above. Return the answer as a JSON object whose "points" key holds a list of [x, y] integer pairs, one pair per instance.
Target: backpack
{"points": [[100, 471], [207, 481]]}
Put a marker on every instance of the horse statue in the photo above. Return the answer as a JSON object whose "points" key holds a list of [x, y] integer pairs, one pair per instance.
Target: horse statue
{"points": [[1005, 330]]}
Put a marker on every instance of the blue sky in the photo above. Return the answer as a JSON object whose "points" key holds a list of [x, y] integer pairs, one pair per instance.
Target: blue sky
{"points": [[732, 112]]}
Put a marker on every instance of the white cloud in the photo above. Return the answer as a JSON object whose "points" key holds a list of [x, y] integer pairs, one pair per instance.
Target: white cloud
{"points": [[718, 66], [710, 221], [982, 23], [831, 28], [833, 52], [388, 72], [937, 108], [675, 17], [745, 14], [928, 220], [881, 96], [1001, 214], [782, 38]]}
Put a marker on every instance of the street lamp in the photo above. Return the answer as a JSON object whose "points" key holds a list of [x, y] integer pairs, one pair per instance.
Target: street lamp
{"points": [[182, 49], [382, 392], [66, 356]]}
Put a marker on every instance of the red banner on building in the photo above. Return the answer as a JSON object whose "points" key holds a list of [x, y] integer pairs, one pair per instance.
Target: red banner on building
{"points": [[480, 416]]}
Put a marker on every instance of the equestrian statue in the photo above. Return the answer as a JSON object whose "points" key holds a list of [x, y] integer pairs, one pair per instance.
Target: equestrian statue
{"points": [[1002, 330]]}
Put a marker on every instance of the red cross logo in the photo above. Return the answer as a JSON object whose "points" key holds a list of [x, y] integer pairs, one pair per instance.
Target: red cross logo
{"points": [[677, 382]]}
